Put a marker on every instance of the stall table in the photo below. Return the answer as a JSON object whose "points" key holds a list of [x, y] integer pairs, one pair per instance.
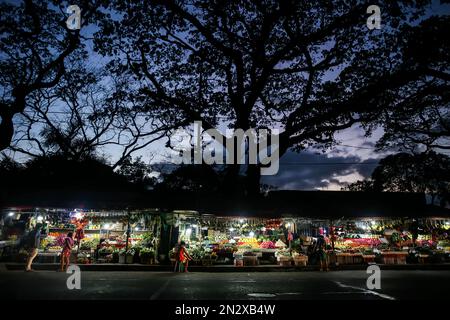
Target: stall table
{"points": [[369, 258], [48, 257], [349, 258], [394, 257], [7, 246], [250, 260]]}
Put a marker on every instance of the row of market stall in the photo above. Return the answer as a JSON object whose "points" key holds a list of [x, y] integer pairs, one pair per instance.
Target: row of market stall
{"points": [[149, 236]]}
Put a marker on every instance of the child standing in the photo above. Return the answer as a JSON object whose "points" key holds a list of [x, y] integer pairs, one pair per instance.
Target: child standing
{"points": [[183, 257], [67, 250]]}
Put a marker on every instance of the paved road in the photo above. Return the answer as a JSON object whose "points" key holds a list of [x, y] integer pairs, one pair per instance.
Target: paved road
{"points": [[398, 285]]}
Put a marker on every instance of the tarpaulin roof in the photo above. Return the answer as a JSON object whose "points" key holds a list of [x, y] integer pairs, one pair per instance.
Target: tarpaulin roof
{"points": [[323, 204]]}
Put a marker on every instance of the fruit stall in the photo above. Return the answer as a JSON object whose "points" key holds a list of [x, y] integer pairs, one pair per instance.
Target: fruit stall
{"points": [[390, 241], [240, 241], [100, 237], [290, 241], [137, 237]]}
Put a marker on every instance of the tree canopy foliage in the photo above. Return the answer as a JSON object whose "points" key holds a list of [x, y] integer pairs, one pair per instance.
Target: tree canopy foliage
{"points": [[404, 172], [308, 68]]}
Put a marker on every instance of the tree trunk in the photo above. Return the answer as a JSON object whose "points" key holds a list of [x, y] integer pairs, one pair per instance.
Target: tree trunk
{"points": [[253, 180], [6, 129], [231, 182]]}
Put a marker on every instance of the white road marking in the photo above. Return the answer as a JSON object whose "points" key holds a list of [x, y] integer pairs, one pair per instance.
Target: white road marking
{"points": [[112, 279], [271, 295], [363, 290], [160, 290], [261, 295], [288, 293]]}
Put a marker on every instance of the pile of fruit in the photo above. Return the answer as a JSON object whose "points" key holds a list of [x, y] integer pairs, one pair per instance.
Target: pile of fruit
{"points": [[54, 248], [280, 244], [445, 245], [362, 242], [54, 234], [88, 244], [267, 245], [248, 242]]}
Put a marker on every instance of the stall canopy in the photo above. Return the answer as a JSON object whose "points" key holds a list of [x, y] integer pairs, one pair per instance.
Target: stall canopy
{"points": [[326, 204], [320, 204]]}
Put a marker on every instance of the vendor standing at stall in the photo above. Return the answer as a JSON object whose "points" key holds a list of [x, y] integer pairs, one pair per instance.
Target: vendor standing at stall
{"points": [[322, 253]]}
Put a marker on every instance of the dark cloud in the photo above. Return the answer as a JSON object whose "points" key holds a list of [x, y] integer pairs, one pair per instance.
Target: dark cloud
{"points": [[308, 170]]}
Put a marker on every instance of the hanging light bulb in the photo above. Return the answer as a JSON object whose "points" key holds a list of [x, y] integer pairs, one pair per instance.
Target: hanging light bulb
{"points": [[78, 215]]}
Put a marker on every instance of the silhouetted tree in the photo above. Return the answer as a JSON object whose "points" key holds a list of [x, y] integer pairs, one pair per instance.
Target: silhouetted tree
{"points": [[137, 171], [191, 178], [35, 47], [59, 173], [360, 185], [86, 112], [9, 169], [308, 68], [426, 172], [422, 120]]}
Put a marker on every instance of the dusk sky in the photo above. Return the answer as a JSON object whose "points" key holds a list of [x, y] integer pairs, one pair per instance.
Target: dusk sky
{"points": [[351, 159]]}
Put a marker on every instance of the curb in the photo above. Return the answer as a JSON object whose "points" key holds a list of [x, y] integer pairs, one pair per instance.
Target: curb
{"points": [[231, 268]]}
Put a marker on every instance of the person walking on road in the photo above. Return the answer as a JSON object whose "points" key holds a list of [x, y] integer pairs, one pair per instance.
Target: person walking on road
{"points": [[33, 241]]}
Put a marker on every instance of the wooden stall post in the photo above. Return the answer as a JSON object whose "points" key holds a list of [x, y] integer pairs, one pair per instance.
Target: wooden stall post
{"points": [[332, 235], [128, 237]]}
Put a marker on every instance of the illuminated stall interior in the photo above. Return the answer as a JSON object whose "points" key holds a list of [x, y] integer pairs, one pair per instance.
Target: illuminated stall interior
{"points": [[281, 229]]}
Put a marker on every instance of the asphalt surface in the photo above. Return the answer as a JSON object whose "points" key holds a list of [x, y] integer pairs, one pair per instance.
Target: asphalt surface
{"points": [[395, 285]]}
